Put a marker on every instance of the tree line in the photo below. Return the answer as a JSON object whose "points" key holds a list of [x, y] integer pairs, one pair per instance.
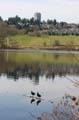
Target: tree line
{"points": [[24, 23], [17, 25]]}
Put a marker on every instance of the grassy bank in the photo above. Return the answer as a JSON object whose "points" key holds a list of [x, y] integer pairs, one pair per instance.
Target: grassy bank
{"points": [[43, 42]]}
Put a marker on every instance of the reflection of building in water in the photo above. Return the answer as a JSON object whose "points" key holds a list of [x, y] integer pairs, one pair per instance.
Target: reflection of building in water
{"points": [[35, 81]]}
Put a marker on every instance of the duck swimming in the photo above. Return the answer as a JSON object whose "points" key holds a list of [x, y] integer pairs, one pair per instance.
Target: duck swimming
{"points": [[32, 93], [38, 95]]}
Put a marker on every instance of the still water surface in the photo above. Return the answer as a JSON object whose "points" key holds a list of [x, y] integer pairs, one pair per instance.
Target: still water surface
{"points": [[52, 75]]}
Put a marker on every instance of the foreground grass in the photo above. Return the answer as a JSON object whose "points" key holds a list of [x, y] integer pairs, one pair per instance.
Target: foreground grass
{"points": [[43, 42]]}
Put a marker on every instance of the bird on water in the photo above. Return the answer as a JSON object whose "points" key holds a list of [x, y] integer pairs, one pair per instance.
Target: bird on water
{"points": [[32, 93], [38, 95]]}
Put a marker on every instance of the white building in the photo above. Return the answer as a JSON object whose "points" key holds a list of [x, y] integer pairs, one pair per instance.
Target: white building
{"points": [[37, 16]]}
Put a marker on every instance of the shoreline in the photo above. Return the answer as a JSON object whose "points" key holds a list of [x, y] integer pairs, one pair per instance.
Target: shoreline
{"points": [[54, 51]]}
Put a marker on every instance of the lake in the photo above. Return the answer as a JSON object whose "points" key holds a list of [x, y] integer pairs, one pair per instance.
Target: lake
{"points": [[54, 76]]}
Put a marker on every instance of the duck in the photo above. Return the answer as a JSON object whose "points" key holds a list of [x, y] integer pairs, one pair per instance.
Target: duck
{"points": [[38, 95], [32, 93]]}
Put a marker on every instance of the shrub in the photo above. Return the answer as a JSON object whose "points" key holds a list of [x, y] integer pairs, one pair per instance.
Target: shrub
{"points": [[56, 43]]}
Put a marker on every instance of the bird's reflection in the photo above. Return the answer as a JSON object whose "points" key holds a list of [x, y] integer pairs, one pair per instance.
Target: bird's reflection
{"points": [[32, 100], [38, 102]]}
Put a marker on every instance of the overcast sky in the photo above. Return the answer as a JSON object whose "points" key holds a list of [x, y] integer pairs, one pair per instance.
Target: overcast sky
{"points": [[62, 10]]}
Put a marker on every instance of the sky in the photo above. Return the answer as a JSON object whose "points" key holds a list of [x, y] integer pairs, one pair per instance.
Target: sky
{"points": [[61, 10]]}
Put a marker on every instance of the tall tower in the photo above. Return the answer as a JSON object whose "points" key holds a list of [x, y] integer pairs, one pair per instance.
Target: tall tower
{"points": [[37, 16]]}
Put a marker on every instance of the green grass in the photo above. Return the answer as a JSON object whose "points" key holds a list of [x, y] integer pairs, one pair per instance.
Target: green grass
{"points": [[25, 41]]}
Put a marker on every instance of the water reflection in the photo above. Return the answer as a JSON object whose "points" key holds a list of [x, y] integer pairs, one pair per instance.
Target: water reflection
{"points": [[33, 66], [35, 82], [49, 65], [33, 72], [37, 102]]}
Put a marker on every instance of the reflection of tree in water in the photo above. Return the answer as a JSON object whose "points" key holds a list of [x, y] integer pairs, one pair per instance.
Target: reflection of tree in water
{"points": [[2, 61], [36, 70], [27, 71], [33, 72]]}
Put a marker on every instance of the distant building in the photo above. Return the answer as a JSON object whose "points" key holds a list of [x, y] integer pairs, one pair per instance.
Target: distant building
{"points": [[37, 16]]}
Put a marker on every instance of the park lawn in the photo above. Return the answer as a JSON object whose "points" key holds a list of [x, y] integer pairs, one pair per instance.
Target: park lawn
{"points": [[43, 42]]}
